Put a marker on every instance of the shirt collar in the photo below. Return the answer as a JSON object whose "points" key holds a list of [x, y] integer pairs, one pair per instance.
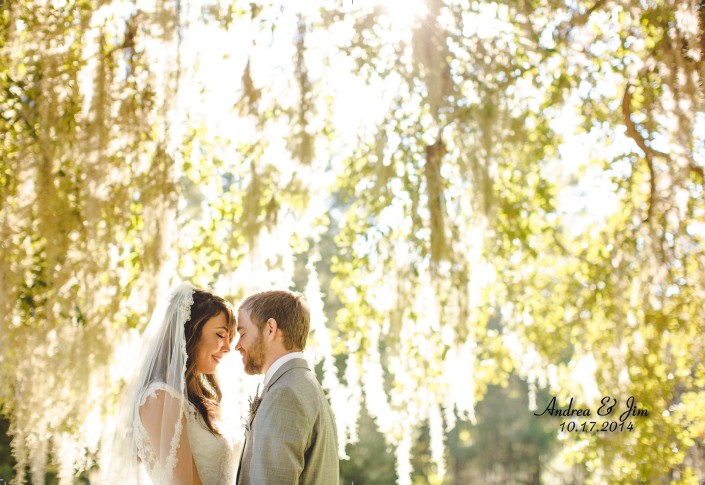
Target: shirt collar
{"points": [[278, 363]]}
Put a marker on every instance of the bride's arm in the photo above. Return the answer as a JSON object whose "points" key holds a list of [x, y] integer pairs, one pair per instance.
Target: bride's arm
{"points": [[162, 417]]}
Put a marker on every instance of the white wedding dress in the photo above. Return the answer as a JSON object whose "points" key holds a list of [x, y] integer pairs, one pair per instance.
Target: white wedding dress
{"points": [[215, 457]]}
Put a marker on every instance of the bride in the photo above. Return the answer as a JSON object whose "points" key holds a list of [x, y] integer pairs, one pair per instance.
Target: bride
{"points": [[169, 421]]}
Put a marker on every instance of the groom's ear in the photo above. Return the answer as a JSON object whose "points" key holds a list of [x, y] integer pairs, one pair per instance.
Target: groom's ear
{"points": [[270, 329]]}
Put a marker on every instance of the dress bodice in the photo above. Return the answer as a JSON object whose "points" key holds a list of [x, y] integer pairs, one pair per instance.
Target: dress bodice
{"points": [[215, 457]]}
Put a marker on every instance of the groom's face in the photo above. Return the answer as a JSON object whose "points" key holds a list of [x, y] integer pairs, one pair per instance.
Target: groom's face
{"points": [[250, 343]]}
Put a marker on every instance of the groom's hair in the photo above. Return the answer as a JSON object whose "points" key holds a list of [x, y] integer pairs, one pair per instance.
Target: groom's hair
{"points": [[288, 308]]}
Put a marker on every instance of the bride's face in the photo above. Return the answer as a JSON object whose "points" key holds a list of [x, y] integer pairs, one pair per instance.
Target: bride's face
{"points": [[214, 342], [250, 344]]}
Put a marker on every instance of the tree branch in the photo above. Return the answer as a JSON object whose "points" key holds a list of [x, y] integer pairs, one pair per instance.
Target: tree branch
{"points": [[650, 152], [634, 134], [582, 19], [434, 187]]}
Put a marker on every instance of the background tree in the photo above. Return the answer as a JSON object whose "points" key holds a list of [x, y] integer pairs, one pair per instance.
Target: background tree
{"points": [[87, 194]]}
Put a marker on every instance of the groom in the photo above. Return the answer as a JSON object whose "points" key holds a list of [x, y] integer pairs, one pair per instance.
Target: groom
{"points": [[292, 437]]}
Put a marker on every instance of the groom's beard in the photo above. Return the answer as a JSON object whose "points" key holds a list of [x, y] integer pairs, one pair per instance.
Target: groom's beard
{"points": [[254, 358]]}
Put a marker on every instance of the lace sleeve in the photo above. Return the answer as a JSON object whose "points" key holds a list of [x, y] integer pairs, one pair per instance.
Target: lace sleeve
{"points": [[162, 443]]}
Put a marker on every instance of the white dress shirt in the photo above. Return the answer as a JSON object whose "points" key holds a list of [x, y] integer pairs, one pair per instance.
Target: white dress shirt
{"points": [[278, 363]]}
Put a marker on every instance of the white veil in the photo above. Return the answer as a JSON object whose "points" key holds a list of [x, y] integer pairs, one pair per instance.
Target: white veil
{"points": [[151, 443]]}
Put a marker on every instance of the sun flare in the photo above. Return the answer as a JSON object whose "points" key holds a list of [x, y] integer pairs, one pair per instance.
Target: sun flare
{"points": [[403, 13]]}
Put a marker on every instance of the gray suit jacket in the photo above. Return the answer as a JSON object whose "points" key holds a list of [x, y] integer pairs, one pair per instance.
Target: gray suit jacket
{"points": [[292, 438]]}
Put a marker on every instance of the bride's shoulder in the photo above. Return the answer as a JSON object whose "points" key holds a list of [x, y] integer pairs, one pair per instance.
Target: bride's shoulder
{"points": [[159, 391]]}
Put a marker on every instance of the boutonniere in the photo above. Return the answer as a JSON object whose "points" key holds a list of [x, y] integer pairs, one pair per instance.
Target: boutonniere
{"points": [[254, 404]]}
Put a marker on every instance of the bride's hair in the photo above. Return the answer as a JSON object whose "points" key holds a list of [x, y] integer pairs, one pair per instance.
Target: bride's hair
{"points": [[203, 389]]}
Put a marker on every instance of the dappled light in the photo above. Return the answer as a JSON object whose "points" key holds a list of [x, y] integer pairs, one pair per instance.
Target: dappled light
{"points": [[486, 204]]}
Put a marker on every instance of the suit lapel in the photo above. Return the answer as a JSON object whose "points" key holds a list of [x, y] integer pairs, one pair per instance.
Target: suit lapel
{"points": [[292, 364], [239, 465]]}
